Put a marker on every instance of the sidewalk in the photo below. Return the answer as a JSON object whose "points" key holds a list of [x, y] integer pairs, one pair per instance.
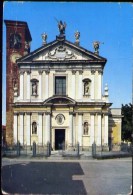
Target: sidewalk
{"points": [[58, 155]]}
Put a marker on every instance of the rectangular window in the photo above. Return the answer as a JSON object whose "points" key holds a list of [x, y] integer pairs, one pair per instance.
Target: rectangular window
{"points": [[60, 85]]}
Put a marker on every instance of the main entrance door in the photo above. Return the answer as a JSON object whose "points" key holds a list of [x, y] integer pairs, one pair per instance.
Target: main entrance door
{"points": [[59, 139]]}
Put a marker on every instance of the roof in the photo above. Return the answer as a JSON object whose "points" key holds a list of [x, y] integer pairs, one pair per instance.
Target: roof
{"points": [[68, 52]]}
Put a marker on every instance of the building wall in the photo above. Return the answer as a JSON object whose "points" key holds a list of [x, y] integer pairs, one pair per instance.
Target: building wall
{"points": [[74, 84]]}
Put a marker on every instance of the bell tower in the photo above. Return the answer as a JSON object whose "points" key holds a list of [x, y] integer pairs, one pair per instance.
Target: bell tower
{"points": [[18, 40]]}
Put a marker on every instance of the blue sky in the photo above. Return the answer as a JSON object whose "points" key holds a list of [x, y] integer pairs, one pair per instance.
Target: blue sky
{"points": [[111, 23]]}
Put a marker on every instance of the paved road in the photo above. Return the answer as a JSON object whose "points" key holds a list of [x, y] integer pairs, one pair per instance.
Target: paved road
{"points": [[93, 177]]}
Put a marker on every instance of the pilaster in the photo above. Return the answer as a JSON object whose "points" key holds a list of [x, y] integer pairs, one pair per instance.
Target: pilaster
{"points": [[80, 86], [46, 84], [28, 85], [92, 130], [48, 127], [21, 133], [28, 117], [40, 133], [40, 84], [93, 84], [15, 132], [80, 128], [21, 85]]}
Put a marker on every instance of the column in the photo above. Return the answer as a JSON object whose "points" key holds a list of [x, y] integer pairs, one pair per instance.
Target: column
{"points": [[80, 128], [43, 128], [21, 132], [70, 129], [40, 84], [92, 130], [93, 84], [73, 84], [99, 138], [46, 84], [99, 84], [28, 85], [21, 84], [106, 126], [47, 127], [28, 117], [80, 86], [15, 131], [40, 137], [74, 127]]}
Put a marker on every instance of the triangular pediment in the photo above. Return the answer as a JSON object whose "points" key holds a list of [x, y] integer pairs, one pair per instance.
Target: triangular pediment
{"points": [[61, 51]]}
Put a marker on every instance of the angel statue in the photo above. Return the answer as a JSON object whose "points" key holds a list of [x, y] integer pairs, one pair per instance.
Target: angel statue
{"points": [[61, 27]]}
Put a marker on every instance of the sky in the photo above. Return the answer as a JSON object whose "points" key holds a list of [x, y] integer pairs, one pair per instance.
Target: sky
{"points": [[107, 22]]}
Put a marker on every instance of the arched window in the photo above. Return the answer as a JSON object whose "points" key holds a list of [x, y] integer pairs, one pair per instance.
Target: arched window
{"points": [[34, 87], [34, 128]]}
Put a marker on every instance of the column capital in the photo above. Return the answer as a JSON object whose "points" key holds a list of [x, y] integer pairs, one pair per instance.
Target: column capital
{"points": [[80, 113], [40, 113], [22, 113], [28, 113], [47, 113], [100, 71], [47, 71], [40, 72], [15, 113], [80, 72], [99, 113], [92, 113], [28, 72], [72, 113], [93, 71], [73, 72], [21, 72]]}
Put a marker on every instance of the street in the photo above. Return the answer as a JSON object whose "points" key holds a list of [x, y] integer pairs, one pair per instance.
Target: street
{"points": [[94, 177]]}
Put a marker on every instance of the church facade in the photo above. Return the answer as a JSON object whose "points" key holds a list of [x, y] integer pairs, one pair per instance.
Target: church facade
{"points": [[58, 97]]}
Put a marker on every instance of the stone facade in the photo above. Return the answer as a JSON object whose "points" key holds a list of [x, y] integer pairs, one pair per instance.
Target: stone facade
{"points": [[60, 98]]}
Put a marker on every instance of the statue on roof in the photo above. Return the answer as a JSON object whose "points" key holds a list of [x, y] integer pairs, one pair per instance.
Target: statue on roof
{"points": [[61, 27], [96, 45], [77, 35], [44, 38]]}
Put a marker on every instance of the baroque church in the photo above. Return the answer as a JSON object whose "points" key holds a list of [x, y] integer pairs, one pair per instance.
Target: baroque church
{"points": [[54, 93]]}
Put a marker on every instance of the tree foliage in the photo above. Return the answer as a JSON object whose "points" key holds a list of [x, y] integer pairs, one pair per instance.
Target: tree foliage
{"points": [[127, 122]]}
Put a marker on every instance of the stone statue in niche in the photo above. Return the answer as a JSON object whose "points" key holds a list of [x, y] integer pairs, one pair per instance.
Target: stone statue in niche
{"points": [[15, 88], [34, 88], [86, 86], [86, 128], [34, 128]]}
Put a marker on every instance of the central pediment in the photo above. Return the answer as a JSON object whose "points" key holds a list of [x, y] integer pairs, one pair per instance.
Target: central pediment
{"points": [[61, 50], [59, 53]]}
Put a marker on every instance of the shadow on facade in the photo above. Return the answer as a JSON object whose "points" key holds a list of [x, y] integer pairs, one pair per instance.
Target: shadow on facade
{"points": [[42, 178]]}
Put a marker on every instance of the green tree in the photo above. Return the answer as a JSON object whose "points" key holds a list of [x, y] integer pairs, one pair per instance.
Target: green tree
{"points": [[127, 122]]}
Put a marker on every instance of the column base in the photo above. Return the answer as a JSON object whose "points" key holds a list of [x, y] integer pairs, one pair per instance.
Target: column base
{"points": [[105, 148], [98, 148], [70, 148]]}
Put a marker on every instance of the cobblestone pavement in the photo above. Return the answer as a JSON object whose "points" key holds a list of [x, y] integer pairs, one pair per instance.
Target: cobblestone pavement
{"points": [[41, 176]]}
